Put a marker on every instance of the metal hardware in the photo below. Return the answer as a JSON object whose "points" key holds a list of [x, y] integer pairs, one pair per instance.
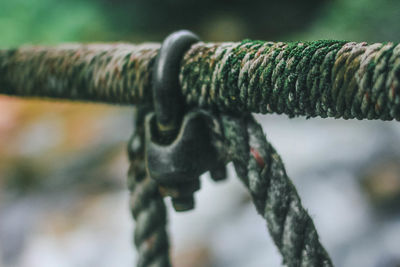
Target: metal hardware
{"points": [[177, 166], [167, 96]]}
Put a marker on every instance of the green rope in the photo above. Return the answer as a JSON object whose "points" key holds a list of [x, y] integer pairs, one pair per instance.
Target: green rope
{"points": [[239, 139], [147, 205], [321, 78], [117, 74], [261, 169]]}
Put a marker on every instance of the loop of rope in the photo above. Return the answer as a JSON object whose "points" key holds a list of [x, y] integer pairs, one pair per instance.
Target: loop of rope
{"points": [[260, 168]]}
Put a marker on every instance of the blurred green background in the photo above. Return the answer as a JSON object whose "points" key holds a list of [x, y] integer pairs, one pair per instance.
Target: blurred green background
{"points": [[50, 22], [63, 200]]}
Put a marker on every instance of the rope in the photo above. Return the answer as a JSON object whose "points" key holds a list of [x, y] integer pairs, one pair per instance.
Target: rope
{"points": [[147, 205], [260, 168], [262, 171], [118, 74], [320, 78]]}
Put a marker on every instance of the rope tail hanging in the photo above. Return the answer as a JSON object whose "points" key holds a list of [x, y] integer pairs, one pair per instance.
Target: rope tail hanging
{"points": [[274, 196], [147, 204]]}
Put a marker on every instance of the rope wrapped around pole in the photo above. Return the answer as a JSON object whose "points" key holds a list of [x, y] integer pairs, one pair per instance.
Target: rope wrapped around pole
{"points": [[322, 78]]}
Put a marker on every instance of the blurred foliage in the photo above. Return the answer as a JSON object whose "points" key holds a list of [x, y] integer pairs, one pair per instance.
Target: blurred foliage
{"points": [[49, 21], [217, 20], [357, 20]]}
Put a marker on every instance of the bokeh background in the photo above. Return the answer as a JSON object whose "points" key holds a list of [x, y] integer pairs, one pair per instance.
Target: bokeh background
{"points": [[63, 199]]}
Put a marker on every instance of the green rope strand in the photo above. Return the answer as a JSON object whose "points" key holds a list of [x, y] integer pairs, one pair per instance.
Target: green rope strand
{"points": [[239, 139], [261, 169], [147, 204], [115, 74], [322, 78]]}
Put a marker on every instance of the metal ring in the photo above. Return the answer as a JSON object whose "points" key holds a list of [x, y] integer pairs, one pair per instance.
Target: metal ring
{"points": [[167, 96]]}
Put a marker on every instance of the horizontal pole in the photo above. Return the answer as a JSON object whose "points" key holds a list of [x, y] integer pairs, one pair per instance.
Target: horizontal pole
{"points": [[322, 78]]}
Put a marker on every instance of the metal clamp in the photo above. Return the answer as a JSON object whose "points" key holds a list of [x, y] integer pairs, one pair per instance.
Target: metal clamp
{"points": [[167, 96], [177, 166], [178, 150]]}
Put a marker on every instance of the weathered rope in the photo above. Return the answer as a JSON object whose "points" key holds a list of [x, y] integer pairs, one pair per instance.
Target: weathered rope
{"points": [[321, 78], [118, 74], [275, 197], [147, 205], [243, 142]]}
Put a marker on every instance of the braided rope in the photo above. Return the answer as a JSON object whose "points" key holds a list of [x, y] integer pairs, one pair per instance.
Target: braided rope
{"points": [[275, 197], [320, 78], [118, 73], [261, 170], [147, 205], [323, 78]]}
